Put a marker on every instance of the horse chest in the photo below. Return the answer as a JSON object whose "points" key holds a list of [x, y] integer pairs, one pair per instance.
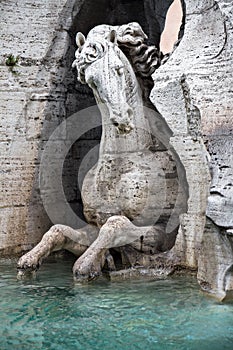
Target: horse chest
{"points": [[120, 186]]}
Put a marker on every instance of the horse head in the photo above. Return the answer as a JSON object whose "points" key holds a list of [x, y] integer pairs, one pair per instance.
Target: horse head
{"points": [[103, 66]]}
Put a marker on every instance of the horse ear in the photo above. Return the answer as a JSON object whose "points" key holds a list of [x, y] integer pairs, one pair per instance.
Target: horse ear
{"points": [[80, 39], [112, 36]]}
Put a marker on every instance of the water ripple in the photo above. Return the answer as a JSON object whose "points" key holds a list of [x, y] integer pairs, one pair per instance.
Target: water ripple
{"points": [[51, 312]]}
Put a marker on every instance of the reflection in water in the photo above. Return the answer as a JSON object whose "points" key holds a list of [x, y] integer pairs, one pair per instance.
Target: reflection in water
{"points": [[51, 312]]}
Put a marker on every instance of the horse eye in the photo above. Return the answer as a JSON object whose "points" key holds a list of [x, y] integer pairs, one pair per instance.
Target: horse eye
{"points": [[120, 71], [91, 55]]}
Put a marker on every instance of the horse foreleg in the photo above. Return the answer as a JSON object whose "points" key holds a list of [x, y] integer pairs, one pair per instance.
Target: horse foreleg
{"points": [[117, 231], [57, 238]]}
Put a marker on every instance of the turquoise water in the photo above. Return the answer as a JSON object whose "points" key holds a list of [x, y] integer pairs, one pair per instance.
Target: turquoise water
{"points": [[52, 312]]}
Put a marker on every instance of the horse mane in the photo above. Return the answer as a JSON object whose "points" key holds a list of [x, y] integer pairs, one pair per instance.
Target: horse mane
{"points": [[144, 59], [132, 41]]}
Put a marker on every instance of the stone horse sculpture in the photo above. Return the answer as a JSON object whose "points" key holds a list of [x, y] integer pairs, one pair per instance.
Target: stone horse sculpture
{"points": [[126, 196]]}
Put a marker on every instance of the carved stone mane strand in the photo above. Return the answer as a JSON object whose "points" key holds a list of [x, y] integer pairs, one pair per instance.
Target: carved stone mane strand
{"points": [[93, 51], [144, 59], [131, 40]]}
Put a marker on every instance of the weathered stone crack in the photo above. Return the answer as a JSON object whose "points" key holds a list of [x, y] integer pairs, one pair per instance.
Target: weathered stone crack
{"points": [[202, 11], [192, 112], [224, 43]]}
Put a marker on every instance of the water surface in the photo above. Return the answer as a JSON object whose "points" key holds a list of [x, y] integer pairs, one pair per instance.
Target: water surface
{"points": [[52, 312]]}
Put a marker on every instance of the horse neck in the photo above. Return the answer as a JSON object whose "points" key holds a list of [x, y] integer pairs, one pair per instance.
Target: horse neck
{"points": [[139, 138]]}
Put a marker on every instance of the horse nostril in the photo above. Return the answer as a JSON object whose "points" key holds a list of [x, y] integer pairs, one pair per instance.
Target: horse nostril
{"points": [[130, 112]]}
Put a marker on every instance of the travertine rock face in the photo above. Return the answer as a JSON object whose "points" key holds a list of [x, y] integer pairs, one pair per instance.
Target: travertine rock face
{"points": [[193, 92], [33, 97], [38, 94]]}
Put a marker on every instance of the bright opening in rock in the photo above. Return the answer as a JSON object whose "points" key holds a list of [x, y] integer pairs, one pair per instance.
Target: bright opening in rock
{"points": [[172, 27]]}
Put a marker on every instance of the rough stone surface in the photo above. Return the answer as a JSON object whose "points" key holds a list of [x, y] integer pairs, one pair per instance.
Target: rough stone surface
{"points": [[129, 178], [33, 96], [193, 92], [37, 95], [125, 192]]}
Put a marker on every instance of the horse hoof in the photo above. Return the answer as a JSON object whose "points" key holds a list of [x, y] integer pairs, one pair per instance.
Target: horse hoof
{"points": [[28, 264], [25, 274]]}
